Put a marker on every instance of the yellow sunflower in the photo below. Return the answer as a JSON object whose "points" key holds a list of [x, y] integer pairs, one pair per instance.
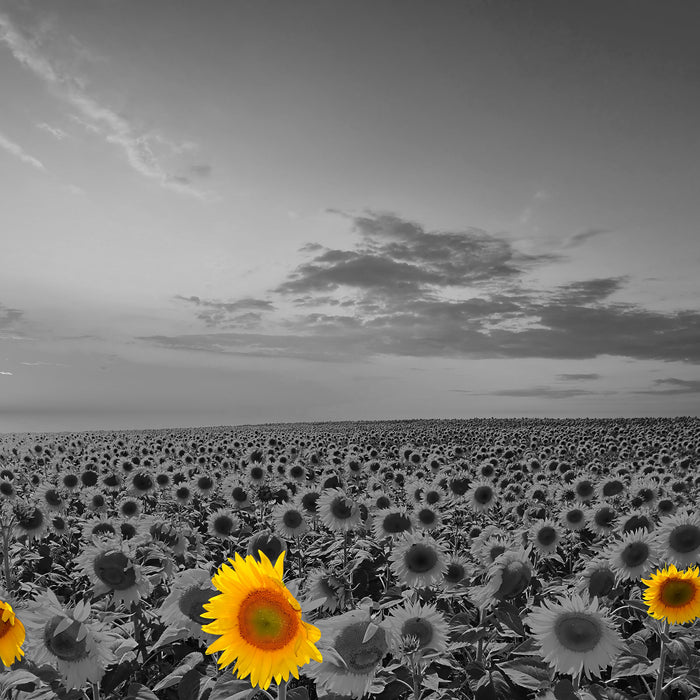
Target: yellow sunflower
{"points": [[259, 622], [11, 635], [673, 594]]}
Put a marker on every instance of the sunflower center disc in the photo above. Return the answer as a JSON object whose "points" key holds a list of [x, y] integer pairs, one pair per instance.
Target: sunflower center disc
{"points": [[426, 516], [267, 621], [192, 601], [418, 627], [396, 522], [604, 516], [361, 657], [601, 582], [575, 516], [578, 632], [65, 645], [113, 568], [514, 580], [53, 498], [32, 521], [685, 538], [635, 553], [455, 572], [340, 508], [292, 518], [483, 495], [5, 627], [675, 593], [496, 551], [546, 535], [420, 558], [223, 525]]}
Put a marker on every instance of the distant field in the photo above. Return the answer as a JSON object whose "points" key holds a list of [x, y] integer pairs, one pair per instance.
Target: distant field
{"points": [[439, 558]]}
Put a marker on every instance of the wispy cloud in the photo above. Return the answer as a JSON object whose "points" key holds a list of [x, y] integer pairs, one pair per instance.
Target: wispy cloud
{"points": [[18, 152], [581, 237], [578, 377], [9, 374], [43, 364], [57, 133], [138, 145], [229, 314], [536, 392], [677, 386]]}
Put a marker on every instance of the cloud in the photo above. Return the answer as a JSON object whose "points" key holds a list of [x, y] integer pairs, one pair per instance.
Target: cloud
{"points": [[536, 392], [18, 152], [578, 377], [582, 236], [589, 291], [57, 133], [228, 313], [403, 291], [9, 374], [43, 364], [326, 348], [399, 257], [201, 170], [9, 316], [678, 386], [138, 145]]}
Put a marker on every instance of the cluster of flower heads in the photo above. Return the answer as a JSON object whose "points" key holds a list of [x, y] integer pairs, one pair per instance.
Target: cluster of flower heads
{"points": [[454, 520]]}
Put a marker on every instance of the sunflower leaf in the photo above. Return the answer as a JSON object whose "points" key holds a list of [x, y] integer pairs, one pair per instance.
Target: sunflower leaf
{"points": [[310, 605], [526, 673], [188, 663], [138, 691], [170, 635], [628, 665], [18, 679], [508, 615], [298, 693], [228, 686]]}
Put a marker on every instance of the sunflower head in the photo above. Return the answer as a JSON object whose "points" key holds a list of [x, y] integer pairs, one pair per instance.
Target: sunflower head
{"points": [[673, 594], [259, 621], [12, 635], [575, 636], [266, 544]]}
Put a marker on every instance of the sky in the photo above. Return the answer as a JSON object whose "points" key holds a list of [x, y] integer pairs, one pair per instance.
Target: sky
{"points": [[237, 212]]}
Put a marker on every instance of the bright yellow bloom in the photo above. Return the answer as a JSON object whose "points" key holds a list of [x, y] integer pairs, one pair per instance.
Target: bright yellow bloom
{"points": [[673, 594], [259, 622], [11, 635]]}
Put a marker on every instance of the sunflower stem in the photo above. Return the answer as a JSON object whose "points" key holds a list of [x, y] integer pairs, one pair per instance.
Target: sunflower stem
{"points": [[662, 662], [282, 692], [95, 691], [417, 680], [6, 557], [480, 641], [138, 630]]}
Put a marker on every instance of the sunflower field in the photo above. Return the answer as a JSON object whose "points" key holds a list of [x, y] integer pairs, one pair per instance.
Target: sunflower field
{"points": [[425, 560]]}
